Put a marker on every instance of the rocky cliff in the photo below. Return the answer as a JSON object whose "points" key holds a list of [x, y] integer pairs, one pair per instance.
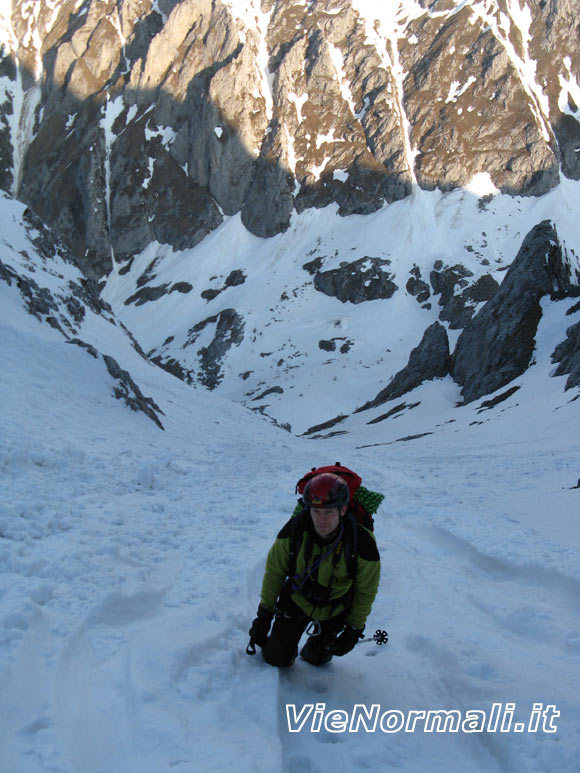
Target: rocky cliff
{"points": [[130, 121]]}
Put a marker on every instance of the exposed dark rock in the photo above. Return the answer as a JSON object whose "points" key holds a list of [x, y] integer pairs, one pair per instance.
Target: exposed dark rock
{"points": [[234, 279], [75, 309], [84, 345], [567, 354], [8, 74], [330, 346], [460, 308], [181, 287], [87, 291], [124, 270], [276, 390], [64, 311], [457, 312], [313, 266], [429, 360], [483, 289], [394, 412], [147, 294], [498, 344], [444, 281], [357, 282], [417, 287], [229, 332], [180, 214], [325, 425], [7, 274], [148, 275], [269, 201], [487, 404], [128, 391], [209, 295], [412, 437], [39, 301], [567, 131], [44, 241], [173, 366]]}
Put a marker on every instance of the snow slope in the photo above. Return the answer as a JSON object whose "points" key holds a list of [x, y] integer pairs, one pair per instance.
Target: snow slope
{"points": [[285, 318], [131, 562]]}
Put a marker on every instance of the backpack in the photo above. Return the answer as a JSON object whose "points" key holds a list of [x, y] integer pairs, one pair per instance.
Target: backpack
{"points": [[363, 505]]}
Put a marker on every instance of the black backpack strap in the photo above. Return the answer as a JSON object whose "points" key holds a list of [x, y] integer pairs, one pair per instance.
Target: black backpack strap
{"points": [[350, 541], [350, 546], [297, 526]]}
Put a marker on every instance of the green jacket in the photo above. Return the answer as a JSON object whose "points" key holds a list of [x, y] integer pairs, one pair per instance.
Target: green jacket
{"points": [[332, 574]]}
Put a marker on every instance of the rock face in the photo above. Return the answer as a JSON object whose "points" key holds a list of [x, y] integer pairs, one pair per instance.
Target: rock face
{"points": [[498, 344], [128, 391], [568, 355], [362, 280], [229, 331], [458, 308], [126, 122], [429, 360], [471, 110]]}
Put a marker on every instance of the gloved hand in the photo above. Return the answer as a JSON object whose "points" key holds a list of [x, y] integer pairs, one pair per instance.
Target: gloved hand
{"points": [[346, 641], [261, 626]]}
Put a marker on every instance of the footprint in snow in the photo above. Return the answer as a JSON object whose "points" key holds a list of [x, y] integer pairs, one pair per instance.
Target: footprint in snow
{"points": [[301, 765]]}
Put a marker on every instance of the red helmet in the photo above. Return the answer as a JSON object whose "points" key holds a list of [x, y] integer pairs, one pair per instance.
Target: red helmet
{"points": [[326, 490]]}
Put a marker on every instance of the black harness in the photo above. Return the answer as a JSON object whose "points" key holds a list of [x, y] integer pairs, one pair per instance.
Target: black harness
{"points": [[306, 583]]}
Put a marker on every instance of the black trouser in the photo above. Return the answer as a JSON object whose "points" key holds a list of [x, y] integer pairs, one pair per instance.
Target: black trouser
{"points": [[289, 624]]}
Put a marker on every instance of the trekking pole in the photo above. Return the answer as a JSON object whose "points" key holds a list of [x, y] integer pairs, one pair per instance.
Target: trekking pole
{"points": [[379, 637]]}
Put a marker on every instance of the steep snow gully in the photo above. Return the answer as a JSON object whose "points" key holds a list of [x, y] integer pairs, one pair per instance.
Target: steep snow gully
{"points": [[131, 562]]}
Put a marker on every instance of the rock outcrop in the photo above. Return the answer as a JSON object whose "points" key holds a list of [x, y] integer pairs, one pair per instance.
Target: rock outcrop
{"points": [[127, 390], [567, 354], [361, 280], [429, 360], [498, 344], [458, 308], [229, 331]]}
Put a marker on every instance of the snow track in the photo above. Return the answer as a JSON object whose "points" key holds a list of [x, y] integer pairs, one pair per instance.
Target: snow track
{"points": [[131, 572], [467, 630]]}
